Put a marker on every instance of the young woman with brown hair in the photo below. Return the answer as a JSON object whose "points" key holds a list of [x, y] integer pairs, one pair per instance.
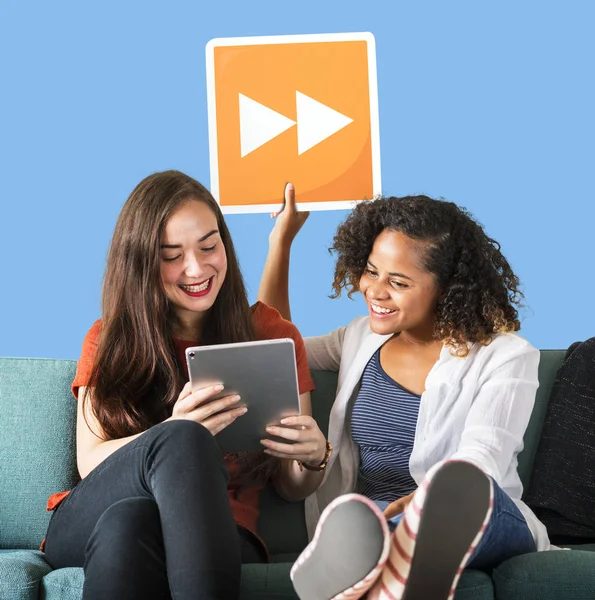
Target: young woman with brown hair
{"points": [[160, 512], [435, 391]]}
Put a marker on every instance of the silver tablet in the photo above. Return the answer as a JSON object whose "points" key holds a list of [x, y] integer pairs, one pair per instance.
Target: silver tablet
{"points": [[263, 373]]}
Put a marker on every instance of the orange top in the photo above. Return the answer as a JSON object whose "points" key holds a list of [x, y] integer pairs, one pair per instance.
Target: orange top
{"points": [[269, 324]]}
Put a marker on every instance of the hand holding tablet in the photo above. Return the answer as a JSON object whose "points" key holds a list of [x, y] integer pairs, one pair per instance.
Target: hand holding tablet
{"points": [[264, 376], [200, 406]]}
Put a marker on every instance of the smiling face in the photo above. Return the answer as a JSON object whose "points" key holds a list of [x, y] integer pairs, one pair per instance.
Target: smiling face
{"points": [[400, 295], [193, 262]]}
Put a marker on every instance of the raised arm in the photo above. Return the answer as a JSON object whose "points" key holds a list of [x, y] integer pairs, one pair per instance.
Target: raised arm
{"points": [[274, 283]]}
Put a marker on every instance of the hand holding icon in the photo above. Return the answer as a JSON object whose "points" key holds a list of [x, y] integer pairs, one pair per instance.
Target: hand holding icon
{"points": [[289, 220]]}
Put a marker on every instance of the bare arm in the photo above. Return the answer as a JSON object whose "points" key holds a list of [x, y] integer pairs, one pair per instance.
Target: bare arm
{"points": [[92, 447], [274, 283]]}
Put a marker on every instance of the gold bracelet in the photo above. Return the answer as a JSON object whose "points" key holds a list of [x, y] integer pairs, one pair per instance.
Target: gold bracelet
{"points": [[322, 465]]}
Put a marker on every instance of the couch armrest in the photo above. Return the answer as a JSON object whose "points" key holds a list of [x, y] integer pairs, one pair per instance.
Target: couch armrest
{"points": [[21, 572]]}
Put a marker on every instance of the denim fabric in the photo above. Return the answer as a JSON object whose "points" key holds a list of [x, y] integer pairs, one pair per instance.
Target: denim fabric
{"points": [[393, 521], [506, 535]]}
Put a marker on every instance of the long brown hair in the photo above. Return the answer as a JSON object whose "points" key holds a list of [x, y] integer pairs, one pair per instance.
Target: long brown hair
{"points": [[136, 376]]}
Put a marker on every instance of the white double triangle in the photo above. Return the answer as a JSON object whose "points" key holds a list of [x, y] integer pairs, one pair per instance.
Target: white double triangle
{"points": [[260, 124]]}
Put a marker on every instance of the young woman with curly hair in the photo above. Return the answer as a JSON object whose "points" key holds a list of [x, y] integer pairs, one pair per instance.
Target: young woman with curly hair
{"points": [[435, 391], [160, 511]]}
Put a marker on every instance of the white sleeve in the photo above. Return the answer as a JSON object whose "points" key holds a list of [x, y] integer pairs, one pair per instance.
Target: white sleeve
{"points": [[324, 351], [499, 415]]}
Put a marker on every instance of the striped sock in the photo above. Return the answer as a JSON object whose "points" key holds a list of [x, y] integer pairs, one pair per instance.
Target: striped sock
{"points": [[360, 588], [392, 583]]}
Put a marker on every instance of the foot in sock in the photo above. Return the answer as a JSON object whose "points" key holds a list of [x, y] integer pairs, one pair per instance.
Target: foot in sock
{"points": [[439, 531], [346, 555]]}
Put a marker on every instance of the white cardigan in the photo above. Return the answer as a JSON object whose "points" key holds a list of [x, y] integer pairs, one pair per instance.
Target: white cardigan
{"points": [[475, 408]]}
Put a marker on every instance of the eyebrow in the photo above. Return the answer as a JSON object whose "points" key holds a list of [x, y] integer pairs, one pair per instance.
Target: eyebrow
{"points": [[392, 274], [202, 239]]}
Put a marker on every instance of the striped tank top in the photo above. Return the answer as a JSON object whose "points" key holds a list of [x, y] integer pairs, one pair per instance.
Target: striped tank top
{"points": [[383, 425]]}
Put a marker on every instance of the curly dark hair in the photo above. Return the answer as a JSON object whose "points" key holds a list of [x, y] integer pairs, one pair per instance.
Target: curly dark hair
{"points": [[479, 291]]}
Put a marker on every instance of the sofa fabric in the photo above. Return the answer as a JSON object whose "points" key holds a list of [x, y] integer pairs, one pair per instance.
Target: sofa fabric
{"points": [[555, 575], [38, 440], [549, 363], [259, 582], [562, 491], [21, 574], [37, 458]]}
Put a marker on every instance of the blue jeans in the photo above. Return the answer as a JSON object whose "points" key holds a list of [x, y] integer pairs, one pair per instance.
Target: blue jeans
{"points": [[506, 535], [394, 521]]}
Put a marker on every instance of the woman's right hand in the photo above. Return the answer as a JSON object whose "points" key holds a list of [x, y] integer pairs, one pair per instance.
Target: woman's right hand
{"points": [[288, 221], [198, 406]]}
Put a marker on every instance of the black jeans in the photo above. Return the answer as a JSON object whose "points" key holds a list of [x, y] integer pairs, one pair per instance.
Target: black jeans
{"points": [[153, 520]]}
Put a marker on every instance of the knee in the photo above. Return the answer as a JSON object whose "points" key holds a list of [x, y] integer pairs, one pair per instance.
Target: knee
{"points": [[131, 518], [126, 552], [187, 436], [123, 529]]}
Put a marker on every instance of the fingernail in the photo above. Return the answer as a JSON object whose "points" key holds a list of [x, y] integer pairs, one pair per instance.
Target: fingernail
{"points": [[284, 421], [265, 452], [243, 410], [218, 388], [235, 398], [270, 429], [289, 187]]}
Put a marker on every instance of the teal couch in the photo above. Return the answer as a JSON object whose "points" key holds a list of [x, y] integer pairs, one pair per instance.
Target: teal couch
{"points": [[37, 458]]}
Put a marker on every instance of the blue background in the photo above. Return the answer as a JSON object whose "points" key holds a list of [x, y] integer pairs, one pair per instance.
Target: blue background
{"points": [[489, 105]]}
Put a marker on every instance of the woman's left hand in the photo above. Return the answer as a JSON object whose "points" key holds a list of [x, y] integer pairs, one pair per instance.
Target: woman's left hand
{"points": [[309, 443], [398, 506]]}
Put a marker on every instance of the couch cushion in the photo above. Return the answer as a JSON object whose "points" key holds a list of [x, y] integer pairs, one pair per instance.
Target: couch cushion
{"points": [[323, 397], [474, 585], [286, 542], [589, 547], [63, 584], [567, 574], [262, 582], [549, 363], [259, 582], [21, 572], [37, 444], [282, 526]]}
